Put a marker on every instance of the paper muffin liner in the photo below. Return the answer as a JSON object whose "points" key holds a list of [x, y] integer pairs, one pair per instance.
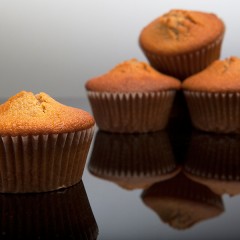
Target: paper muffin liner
{"points": [[182, 66], [61, 214], [213, 160], [39, 163], [132, 160], [131, 112], [181, 202], [214, 112]]}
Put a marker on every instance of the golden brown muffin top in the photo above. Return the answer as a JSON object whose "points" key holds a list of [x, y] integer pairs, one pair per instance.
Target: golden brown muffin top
{"points": [[26, 113], [181, 31], [220, 76], [132, 76]]}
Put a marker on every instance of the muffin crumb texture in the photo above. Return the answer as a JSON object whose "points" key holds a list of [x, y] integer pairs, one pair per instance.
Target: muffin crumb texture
{"points": [[181, 31], [26, 113]]}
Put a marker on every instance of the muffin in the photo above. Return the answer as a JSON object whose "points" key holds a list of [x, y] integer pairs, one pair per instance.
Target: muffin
{"points": [[61, 214], [181, 203], [131, 98], [213, 97], [43, 144], [181, 43], [213, 160], [132, 161]]}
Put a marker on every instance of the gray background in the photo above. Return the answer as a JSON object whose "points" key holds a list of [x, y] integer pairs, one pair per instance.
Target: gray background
{"points": [[55, 46]]}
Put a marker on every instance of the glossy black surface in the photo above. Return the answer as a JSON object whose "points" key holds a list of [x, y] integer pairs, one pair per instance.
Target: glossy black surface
{"points": [[175, 184], [63, 214]]}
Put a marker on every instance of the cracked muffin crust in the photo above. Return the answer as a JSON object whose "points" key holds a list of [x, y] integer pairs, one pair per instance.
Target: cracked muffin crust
{"points": [[181, 43], [181, 31], [26, 113]]}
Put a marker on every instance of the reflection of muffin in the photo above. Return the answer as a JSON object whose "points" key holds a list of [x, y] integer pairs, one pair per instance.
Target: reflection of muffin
{"points": [[179, 137], [62, 214], [181, 43], [181, 203], [43, 144], [213, 97], [213, 160], [132, 97], [132, 160]]}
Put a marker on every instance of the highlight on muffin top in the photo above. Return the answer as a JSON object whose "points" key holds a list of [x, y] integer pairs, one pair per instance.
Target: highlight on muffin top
{"points": [[132, 76], [26, 113], [181, 31], [220, 76]]}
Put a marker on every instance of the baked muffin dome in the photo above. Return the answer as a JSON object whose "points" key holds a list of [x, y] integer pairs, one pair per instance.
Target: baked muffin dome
{"points": [[221, 76], [181, 43], [132, 76], [43, 144], [132, 97], [26, 113], [181, 31]]}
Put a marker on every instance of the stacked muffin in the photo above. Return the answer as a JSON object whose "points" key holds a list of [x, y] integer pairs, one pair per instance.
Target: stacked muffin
{"points": [[136, 97], [181, 43], [132, 97], [213, 97]]}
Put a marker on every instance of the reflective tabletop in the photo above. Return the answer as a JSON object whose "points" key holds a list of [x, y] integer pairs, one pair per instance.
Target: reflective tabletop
{"points": [[179, 183]]}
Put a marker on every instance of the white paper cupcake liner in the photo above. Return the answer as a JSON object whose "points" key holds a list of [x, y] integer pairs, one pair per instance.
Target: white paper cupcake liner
{"points": [[133, 160], [131, 112], [39, 163], [63, 214], [184, 65], [214, 112]]}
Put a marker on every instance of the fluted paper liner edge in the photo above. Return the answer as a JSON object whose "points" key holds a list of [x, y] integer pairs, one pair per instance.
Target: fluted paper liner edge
{"points": [[214, 112], [185, 65], [41, 163], [131, 112]]}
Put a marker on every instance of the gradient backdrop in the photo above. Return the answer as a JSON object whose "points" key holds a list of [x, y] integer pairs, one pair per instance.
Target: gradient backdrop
{"points": [[55, 46]]}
